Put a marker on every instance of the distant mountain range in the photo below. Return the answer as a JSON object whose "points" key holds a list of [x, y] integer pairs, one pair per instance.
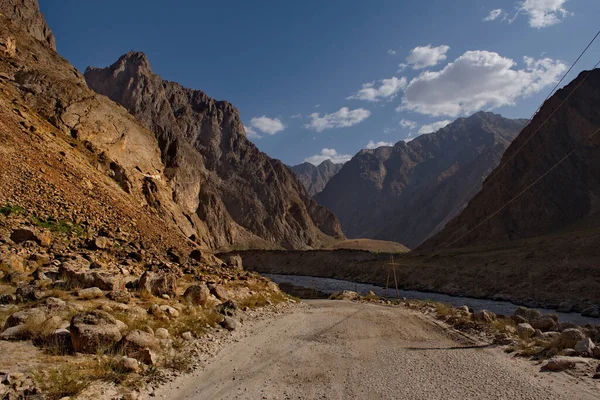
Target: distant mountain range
{"points": [[407, 192], [314, 178]]}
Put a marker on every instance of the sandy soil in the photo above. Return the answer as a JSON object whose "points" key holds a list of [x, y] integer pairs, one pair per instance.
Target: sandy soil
{"points": [[370, 245], [344, 350]]}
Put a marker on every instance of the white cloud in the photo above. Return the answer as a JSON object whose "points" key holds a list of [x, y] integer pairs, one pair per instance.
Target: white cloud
{"points": [[405, 123], [391, 52], [543, 13], [328, 154], [388, 89], [478, 80], [494, 14], [296, 116], [374, 145], [342, 118], [402, 67], [433, 127], [251, 133], [426, 56], [267, 125]]}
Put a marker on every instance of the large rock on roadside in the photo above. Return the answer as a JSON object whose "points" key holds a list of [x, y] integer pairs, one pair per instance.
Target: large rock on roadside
{"points": [[544, 323], [77, 274], [585, 346], [528, 314], [569, 338], [136, 342], [159, 283], [484, 316], [94, 331], [197, 294], [24, 235], [345, 295], [229, 323], [525, 331], [558, 364]]}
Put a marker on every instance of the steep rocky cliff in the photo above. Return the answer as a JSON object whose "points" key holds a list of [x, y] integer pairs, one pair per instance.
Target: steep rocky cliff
{"points": [[27, 14], [315, 177], [569, 195], [404, 193], [224, 184]]}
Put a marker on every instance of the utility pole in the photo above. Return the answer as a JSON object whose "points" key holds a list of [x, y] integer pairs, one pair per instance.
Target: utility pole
{"points": [[393, 264]]}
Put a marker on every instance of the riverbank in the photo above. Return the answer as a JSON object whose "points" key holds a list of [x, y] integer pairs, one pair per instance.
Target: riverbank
{"points": [[512, 272]]}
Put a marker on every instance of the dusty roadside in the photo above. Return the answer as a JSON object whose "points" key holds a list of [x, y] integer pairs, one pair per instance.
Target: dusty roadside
{"points": [[347, 350]]}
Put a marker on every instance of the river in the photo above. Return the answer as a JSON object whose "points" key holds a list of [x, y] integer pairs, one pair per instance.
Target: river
{"points": [[328, 285]]}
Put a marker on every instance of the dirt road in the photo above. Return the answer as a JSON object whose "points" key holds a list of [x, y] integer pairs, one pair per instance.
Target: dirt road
{"points": [[343, 350]]}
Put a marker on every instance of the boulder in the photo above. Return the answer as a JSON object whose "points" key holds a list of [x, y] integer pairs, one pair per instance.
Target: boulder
{"points": [[463, 310], [60, 339], [94, 331], [120, 296], [137, 342], [569, 338], [345, 295], [596, 353], [28, 293], [545, 323], [525, 331], [33, 316], [54, 303], [158, 284], [235, 262], [161, 333], [229, 323], [147, 357], [528, 314], [187, 336], [169, 311], [99, 243], [592, 312], [585, 346], [197, 294], [24, 235], [19, 332], [220, 293], [90, 293], [77, 274], [558, 364], [565, 307], [550, 335], [128, 364], [484, 316]]}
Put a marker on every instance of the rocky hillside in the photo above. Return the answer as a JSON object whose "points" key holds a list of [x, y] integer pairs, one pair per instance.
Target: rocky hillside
{"points": [[228, 190], [96, 258], [569, 195], [27, 13], [314, 178], [404, 193]]}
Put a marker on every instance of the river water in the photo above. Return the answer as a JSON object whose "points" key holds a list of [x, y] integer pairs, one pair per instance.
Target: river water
{"points": [[329, 285]]}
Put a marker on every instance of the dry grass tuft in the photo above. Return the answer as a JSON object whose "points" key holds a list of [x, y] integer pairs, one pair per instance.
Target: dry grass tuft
{"points": [[62, 381]]}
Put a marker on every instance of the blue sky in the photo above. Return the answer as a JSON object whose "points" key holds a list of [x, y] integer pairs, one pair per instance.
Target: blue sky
{"points": [[323, 79]]}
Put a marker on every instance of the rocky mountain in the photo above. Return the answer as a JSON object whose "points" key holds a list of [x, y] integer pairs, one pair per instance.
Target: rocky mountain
{"points": [[569, 195], [409, 191], [29, 17], [226, 187], [314, 178]]}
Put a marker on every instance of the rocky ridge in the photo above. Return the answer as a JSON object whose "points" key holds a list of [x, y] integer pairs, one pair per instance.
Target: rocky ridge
{"points": [[314, 178], [224, 184], [405, 193]]}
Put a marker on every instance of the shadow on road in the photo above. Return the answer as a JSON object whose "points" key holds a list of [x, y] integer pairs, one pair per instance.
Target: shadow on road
{"points": [[483, 346]]}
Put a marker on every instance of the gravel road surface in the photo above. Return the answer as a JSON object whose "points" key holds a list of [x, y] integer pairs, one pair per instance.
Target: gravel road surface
{"points": [[346, 350]]}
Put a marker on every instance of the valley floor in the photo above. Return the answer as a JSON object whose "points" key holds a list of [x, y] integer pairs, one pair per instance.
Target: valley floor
{"points": [[347, 350]]}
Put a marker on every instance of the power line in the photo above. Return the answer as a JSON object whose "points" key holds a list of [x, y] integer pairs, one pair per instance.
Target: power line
{"points": [[495, 172]]}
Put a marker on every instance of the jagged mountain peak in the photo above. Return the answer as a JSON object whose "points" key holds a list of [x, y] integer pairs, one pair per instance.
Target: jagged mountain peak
{"points": [[226, 185], [403, 193]]}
